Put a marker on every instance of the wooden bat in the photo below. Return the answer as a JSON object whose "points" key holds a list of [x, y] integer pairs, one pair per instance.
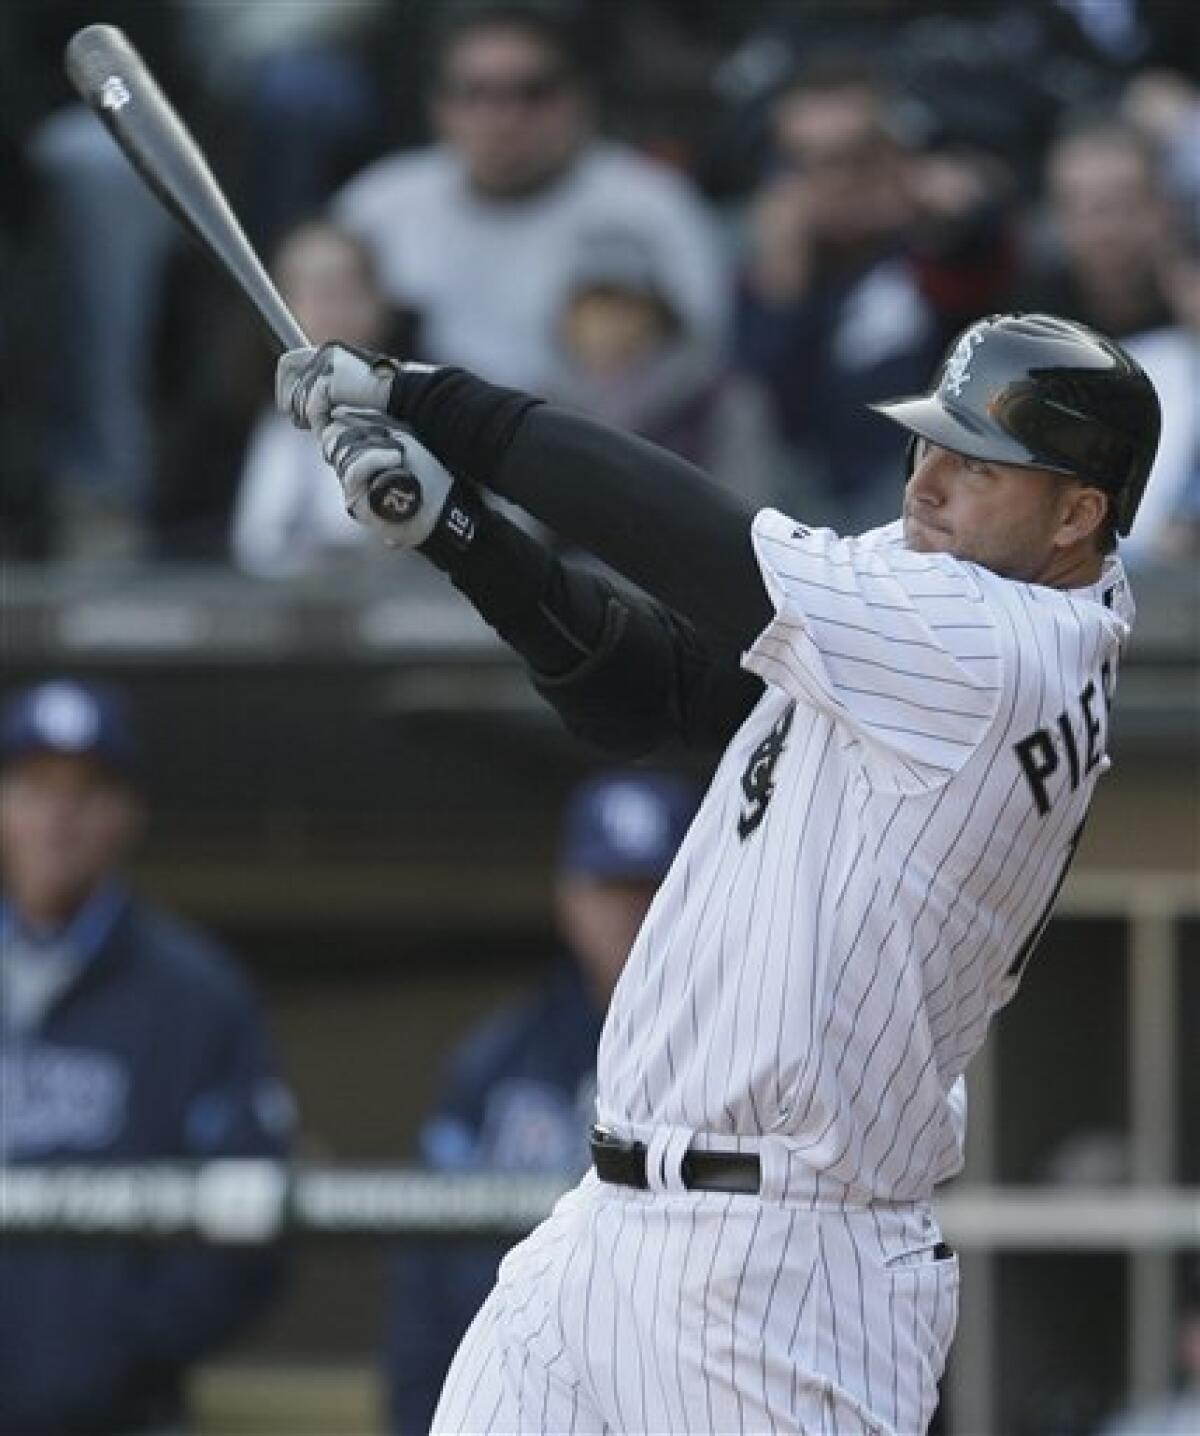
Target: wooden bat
{"points": [[114, 82]]}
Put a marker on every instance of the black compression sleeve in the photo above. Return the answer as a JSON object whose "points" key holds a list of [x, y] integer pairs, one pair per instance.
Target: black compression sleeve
{"points": [[652, 516], [623, 672], [516, 585]]}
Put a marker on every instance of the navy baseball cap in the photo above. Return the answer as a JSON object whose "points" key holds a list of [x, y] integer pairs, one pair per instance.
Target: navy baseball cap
{"points": [[625, 825], [64, 716]]}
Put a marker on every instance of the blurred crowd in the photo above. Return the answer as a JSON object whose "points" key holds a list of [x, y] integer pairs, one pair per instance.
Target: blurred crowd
{"points": [[727, 228]]}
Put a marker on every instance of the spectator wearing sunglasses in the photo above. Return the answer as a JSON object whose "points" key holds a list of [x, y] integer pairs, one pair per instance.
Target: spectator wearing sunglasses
{"points": [[479, 231]]}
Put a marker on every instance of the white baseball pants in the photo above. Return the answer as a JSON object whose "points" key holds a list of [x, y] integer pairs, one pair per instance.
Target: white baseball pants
{"points": [[629, 1311]]}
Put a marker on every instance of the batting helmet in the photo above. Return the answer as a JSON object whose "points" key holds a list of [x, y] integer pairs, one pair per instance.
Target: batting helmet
{"points": [[1043, 393]]}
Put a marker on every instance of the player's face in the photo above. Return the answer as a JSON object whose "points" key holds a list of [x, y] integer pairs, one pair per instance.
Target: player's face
{"points": [[1015, 521], [65, 825]]}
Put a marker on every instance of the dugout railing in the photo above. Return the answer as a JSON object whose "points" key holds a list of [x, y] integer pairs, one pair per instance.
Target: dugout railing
{"points": [[252, 1202]]}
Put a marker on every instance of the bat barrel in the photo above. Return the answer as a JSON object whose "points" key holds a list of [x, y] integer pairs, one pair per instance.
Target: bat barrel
{"points": [[115, 84], [113, 81]]}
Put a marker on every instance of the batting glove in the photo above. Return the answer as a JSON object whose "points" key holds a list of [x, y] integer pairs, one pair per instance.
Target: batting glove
{"points": [[311, 383], [364, 447]]}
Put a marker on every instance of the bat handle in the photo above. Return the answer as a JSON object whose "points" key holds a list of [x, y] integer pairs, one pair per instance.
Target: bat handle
{"points": [[395, 496]]}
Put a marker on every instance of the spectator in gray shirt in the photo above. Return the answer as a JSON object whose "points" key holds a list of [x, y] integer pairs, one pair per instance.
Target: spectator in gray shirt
{"points": [[479, 231]]}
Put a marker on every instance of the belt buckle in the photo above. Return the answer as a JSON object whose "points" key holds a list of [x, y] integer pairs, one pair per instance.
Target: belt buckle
{"points": [[610, 1142], [617, 1159]]}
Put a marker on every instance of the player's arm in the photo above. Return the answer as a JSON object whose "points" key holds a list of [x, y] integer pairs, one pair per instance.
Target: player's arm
{"points": [[623, 670], [651, 516]]}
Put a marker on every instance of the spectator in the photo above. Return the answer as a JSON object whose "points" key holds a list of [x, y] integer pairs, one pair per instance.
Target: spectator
{"points": [[862, 260], [89, 272], [992, 75], [1109, 222], [1164, 106], [125, 1036], [294, 77], [289, 516], [1177, 1414], [1168, 523], [26, 511], [478, 230], [520, 1089], [630, 359], [205, 410], [215, 410]]}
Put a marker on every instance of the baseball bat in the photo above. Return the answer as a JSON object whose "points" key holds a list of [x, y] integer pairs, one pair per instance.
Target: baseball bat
{"points": [[115, 83]]}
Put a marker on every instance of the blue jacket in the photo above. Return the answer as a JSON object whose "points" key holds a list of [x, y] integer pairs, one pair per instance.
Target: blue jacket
{"points": [[154, 1051], [519, 1095]]}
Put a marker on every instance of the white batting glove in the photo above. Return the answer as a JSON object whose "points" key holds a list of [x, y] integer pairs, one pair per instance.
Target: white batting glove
{"points": [[363, 446], [311, 383]]}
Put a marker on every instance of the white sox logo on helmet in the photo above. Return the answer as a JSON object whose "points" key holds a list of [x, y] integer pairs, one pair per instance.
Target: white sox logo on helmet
{"points": [[958, 367]]}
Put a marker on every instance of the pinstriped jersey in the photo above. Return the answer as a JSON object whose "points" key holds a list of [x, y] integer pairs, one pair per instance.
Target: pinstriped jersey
{"points": [[872, 864]]}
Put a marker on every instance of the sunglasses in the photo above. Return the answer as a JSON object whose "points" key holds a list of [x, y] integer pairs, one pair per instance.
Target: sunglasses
{"points": [[527, 91]]}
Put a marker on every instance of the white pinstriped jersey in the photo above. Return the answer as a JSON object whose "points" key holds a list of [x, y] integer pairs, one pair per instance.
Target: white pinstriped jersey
{"points": [[875, 856]]}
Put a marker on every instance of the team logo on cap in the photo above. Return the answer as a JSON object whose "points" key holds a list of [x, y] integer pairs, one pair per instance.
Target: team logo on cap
{"points": [[66, 717], [958, 366], [633, 820]]}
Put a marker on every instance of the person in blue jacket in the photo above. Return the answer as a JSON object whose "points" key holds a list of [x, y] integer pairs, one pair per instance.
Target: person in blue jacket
{"points": [[125, 1036], [519, 1090]]}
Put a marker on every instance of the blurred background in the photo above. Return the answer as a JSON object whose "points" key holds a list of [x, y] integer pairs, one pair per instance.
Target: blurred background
{"points": [[725, 226]]}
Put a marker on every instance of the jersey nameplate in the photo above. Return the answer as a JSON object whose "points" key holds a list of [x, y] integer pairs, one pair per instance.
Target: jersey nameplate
{"points": [[1078, 732]]}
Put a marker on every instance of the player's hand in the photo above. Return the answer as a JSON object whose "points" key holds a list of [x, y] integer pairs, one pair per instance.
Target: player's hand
{"points": [[362, 445], [311, 383]]}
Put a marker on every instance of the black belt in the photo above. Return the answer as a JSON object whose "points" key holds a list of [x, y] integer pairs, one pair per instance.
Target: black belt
{"points": [[624, 1163]]}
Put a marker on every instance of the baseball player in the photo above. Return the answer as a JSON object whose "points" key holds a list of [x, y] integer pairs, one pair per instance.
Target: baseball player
{"points": [[913, 721]]}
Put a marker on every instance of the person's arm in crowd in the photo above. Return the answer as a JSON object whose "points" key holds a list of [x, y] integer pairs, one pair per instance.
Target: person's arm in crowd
{"points": [[268, 498], [781, 344], [780, 318]]}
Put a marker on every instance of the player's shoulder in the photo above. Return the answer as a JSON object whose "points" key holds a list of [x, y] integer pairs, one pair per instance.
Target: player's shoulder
{"points": [[1105, 603], [880, 552], [186, 959]]}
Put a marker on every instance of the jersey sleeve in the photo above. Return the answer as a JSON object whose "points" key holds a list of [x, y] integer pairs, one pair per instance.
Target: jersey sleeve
{"points": [[899, 648]]}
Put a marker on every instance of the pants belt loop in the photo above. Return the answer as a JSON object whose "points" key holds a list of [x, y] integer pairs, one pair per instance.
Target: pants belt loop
{"points": [[664, 1158], [773, 1162]]}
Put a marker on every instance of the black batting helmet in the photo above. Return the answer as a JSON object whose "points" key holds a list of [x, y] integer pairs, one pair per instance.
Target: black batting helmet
{"points": [[1043, 393]]}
